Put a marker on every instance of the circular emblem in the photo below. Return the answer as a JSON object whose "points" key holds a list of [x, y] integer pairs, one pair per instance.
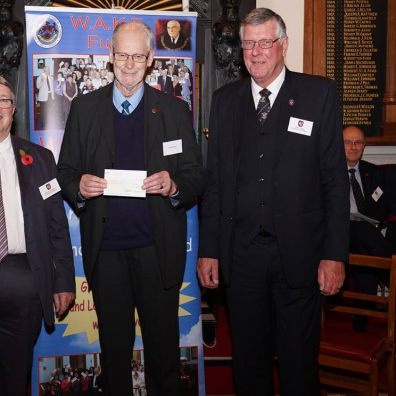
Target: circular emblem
{"points": [[300, 123], [47, 32]]}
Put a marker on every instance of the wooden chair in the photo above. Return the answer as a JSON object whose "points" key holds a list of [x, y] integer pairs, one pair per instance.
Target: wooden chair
{"points": [[353, 360]]}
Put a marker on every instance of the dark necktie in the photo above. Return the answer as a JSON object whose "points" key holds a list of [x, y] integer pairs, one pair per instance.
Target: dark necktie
{"points": [[357, 192], [264, 106], [125, 107], [3, 229], [48, 84]]}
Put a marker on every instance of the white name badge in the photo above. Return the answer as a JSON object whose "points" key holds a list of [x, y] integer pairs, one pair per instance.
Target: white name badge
{"points": [[49, 189], [376, 195], [172, 147], [297, 125], [124, 183]]}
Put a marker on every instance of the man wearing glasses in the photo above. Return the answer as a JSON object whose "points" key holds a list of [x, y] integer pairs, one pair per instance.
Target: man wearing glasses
{"points": [[134, 247], [275, 211], [36, 260], [369, 211]]}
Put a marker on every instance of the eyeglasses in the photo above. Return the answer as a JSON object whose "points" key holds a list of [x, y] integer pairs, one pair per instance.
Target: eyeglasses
{"points": [[6, 103], [123, 57], [357, 143], [263, 43]]}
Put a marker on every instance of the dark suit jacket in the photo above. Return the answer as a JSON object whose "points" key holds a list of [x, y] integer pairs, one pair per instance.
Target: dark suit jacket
{"points": [[168, 86], [372, 177], [183, 43], [48, 246], [88, 147], [310, 187]]}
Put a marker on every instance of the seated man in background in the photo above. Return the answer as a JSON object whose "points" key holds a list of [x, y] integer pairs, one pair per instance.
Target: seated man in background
{"points": [[368, 212]]}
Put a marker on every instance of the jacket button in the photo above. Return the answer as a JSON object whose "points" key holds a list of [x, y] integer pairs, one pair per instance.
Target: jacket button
{"points": [[231, 218]]}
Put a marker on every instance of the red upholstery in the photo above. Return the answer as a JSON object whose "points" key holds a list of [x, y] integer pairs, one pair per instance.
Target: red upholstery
{"points": [[338, 340]]}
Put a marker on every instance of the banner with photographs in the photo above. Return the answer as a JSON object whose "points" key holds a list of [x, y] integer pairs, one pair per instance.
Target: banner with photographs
{"points": [[68, 55]]}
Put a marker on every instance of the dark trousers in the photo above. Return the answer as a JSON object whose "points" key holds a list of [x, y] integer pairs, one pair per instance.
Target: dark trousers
{"points": [[269, 317], [123, 281], [20, 323], [366, 239]]}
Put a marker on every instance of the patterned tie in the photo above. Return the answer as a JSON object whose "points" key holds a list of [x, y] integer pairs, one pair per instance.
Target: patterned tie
{"points": [[357, 192], [125, 107], [264, 106], [3, 229]]}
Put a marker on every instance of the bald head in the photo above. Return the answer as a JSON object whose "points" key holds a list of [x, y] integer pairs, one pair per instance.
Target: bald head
{"points": [[354, 143]]}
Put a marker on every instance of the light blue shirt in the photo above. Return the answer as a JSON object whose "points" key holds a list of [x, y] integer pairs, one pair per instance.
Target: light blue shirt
{"points": [[134, 100]]}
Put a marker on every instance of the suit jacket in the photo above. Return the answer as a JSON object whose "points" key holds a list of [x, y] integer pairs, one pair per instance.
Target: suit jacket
{"points": [[48, 246], [166, 87], [372, 177], [88, 147], [183, 43], [310, 187]]}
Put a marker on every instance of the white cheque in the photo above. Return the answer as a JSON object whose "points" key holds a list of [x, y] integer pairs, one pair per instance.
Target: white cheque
{"points": [[125, 183]]}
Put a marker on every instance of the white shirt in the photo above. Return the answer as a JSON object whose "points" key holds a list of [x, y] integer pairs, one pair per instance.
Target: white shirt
{"points": [[12, 199], [274, 88]]}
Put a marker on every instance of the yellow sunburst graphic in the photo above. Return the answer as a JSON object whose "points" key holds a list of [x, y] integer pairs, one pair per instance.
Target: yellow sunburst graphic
{"points": [[82, 317]]}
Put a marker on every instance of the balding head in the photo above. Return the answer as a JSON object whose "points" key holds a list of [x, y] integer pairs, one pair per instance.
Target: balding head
{"points": [[354, 143]]}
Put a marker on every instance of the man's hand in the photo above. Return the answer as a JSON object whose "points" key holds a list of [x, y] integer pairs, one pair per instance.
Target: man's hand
{"points": [[208, 272], [331, 275], [160, 183], [91, 186], [62, 302]]}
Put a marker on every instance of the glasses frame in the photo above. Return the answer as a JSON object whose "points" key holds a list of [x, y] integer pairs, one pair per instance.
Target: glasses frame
{"points": [[357, 143], [133, 56], [269, 43], [4, 101]]}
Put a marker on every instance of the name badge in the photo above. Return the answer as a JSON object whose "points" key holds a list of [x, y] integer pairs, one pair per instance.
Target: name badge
{"points": [[172, 147], [49, 189], [297, 125], [376, 195]]}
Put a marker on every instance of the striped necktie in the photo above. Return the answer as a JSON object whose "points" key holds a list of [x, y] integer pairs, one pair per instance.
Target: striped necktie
{"points": [[264, 106], [3, 229], [357, 192], [125, 107]]}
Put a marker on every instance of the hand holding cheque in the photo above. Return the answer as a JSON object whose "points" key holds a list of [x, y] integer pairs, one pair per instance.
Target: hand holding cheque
{"points": [[127, 183]]}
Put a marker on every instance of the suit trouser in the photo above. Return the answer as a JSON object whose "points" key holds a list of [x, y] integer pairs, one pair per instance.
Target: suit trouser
{"points": [[123, 281], [269, 317], [364, 238], [20, 323]]}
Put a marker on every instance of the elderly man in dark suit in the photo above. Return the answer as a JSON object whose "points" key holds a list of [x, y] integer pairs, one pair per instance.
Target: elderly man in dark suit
{"points": [[36, 261], [173, 39], [275, 211], [369, 210], [134, 249]]}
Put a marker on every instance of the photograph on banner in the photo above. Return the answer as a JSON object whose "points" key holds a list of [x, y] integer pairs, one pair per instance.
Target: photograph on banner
{"points": [[173, 34], [59, 78], [81, 374], [173, 76]]}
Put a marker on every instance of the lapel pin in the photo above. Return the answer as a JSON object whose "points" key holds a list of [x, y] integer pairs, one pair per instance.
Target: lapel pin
{"points": [[154, 110], [291, 102]]}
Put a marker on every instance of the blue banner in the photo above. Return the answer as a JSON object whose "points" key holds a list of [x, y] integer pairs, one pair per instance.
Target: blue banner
{"points": [[68, 55]]}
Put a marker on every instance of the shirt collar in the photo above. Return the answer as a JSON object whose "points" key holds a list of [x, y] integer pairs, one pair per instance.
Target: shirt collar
{"points": [[274, 87], [5, 145], [134, 100], [356, 167]]}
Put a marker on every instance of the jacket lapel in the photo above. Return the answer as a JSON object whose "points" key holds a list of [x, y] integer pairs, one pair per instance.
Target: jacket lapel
{"points": [[24, 171], [152, 117], [241, 103], [280, 115], [106, 121]]}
